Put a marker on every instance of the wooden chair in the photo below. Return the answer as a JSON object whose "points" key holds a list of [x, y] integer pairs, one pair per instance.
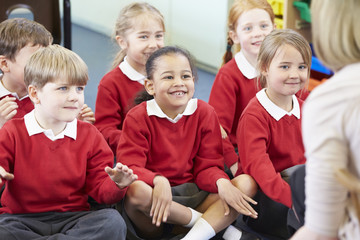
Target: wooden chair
{"points": [[46, 12]]}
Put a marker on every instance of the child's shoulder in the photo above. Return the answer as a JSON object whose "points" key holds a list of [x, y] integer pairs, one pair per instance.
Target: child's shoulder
{"points": [[254, 107], [86, 128], [138, 111], [15, 123], [204, 108], [113, 76], [230, 69]]}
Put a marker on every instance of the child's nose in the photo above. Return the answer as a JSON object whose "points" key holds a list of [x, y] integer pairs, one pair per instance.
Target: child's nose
{"points": [[178, 81], [73, 95], [152, 42], [294, 73]]}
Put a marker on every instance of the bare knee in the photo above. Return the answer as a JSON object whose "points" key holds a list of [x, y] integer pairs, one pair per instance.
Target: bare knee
{"points": [[138, 196], [246, 184]]}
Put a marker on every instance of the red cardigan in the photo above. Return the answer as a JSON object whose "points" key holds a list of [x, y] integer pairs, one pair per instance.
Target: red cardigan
{"points": [[55, 175], [187, 151], [115, 96], [267, 147]]}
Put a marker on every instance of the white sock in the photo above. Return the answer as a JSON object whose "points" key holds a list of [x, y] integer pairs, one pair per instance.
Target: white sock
{"points": [[202, 230], [232, 233], [195, 215]]}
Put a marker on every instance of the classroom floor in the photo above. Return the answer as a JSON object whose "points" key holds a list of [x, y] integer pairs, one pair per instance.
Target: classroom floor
{"points": [[98, 51]]}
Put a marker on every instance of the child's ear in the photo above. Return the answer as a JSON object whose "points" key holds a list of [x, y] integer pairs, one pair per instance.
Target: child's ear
{"points": [[4, 64], [149, 87], [33, 94], [121, 42], [264, 73], [234, 37]]}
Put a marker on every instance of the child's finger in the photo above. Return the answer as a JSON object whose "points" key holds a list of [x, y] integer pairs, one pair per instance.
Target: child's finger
{"points": [[166, 213], [154, 202], [109, 171], [84, 106], [247, 207], [87, 114], [155, 212], [160, 215], [4, 174]]}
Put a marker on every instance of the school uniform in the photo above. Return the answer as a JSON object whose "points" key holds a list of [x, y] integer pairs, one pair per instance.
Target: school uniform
{"points": [[234, 86], [115, 96], [271, 141], [24, 104], [56, 174], [185, 149]]}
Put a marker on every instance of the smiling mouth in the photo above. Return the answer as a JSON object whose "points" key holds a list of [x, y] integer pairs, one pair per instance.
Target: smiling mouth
{"points": [[178, 93], [257, 43]]}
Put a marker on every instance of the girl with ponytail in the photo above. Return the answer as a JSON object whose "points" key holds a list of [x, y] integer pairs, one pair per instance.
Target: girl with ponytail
{"points": [[139, 31]]}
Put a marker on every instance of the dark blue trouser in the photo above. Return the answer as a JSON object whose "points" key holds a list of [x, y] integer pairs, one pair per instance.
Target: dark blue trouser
{"points": [[91, 225]]}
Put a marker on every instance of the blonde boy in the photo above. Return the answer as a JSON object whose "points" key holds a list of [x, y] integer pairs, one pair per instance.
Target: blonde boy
{"points": [[51, 162]]}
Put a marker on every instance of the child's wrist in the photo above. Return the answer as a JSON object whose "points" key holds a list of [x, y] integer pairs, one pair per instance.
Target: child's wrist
{"points": [[119, 185]]}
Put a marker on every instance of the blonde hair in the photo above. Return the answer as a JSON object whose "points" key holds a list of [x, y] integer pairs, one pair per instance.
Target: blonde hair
{"points": [[336, 43], [126, 20], [271, 44], [55, 62], [236, 10], [16, 33]]}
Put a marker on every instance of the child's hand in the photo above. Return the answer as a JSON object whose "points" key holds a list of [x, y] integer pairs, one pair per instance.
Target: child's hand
{"points": [[86, 114], [121, 175], [230, 195], [161, 202], [4, 174], [8, 110], [223, 132]]}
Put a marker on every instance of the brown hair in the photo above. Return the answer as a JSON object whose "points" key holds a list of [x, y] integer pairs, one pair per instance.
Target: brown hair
{"points": [[16, 33], [236, 10], [271, 45], [127, 19]]}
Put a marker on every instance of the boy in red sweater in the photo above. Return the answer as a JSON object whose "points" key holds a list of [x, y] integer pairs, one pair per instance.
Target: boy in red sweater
{"points": [[51, 162], [19, 38]]}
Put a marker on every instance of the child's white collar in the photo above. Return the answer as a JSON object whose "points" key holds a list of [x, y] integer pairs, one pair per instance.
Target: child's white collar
{"points": [[130, 72], [33, 127], [153, 108], [275, 111], [245, 67]]}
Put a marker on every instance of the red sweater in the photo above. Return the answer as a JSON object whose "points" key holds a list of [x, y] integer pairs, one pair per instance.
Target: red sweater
{"points": [[24, 106], [230, 94], [267, 147], [55, 175], [187, 151], [115, 96]]}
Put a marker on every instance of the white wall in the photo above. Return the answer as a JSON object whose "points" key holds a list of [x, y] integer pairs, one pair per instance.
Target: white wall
{"points": [[197, 25]]}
